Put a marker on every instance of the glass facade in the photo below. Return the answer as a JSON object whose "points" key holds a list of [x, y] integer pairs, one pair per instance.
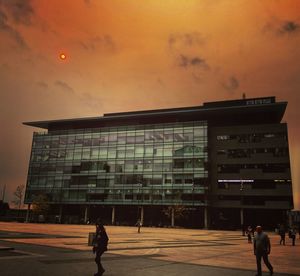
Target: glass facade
{"points": [[135, 165], [161, 164]]}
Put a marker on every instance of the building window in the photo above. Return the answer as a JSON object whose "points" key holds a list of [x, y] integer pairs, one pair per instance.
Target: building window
{"points": [[119, 157]]}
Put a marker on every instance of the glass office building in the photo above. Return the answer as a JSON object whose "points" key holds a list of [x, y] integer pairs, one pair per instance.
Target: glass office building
{"points": [[157, 164], [138, 165]]}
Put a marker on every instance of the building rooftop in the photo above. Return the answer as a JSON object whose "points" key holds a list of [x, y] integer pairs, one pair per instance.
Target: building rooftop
{"points": [[232, 112]]}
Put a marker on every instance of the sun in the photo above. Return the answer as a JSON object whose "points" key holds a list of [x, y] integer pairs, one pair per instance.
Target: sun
{"points": [[62, 56]]}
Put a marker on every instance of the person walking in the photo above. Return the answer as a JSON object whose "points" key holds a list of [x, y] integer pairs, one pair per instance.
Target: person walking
{"points": [[292, 235], [249, 234], [282, 234], [262, 248], [100, 246], [139, 225]]}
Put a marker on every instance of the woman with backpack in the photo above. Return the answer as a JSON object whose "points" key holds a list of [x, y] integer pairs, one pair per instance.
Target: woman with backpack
{"points": [[100, 246]]}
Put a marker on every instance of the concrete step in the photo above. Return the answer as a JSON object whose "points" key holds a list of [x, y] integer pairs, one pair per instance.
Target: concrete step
{"points": [[5, 248]]}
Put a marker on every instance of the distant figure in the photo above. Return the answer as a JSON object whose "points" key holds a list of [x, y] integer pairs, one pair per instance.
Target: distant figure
{"points": [[243, 230], [249, 234], [100, 246], [282, 234], [139, 225], [262, 248], [292, 235], [57, 219]]}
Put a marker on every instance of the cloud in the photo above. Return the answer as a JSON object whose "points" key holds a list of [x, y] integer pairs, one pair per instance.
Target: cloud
{"points": [[179, 40], [104, 42], [64, 86], [4, 67], [289, 27], [231, 84], [11, 32], [21, 11], [42, 84], [184, 49], [160, 82], [198, 61], [281, 28], [186, 62]]}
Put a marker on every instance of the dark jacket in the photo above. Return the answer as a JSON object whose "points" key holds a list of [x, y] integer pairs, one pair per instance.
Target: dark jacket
{"points": [[101, 241], [261, 244]]}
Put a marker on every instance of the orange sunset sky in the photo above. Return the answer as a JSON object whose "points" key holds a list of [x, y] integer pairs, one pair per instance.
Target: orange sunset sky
{"points": [[126, 55]]}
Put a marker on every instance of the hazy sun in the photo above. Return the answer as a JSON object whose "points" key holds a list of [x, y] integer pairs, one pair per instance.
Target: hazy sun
{"points": [[62, 56]]}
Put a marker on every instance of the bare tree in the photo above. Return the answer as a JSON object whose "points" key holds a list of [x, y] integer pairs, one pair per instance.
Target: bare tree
{"points": [[18, 197], [179, 211], [40, 205]]}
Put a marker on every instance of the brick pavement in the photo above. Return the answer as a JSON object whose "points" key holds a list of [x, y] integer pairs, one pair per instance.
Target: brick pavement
{"points": [[163, 249]]}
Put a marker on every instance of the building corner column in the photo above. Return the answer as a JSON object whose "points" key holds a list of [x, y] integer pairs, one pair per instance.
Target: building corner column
{"points": [[113, 215], [242, 217], [290, 218], [60, 213], [142, 214], [28, 212], [172, 217], [205, 217], [86, 211]]}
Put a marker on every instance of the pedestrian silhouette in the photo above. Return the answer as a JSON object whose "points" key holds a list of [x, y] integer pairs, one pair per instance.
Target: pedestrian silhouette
{"points": [[262, 248], [100, 246], [139, 225], [292, 235], [282, 234], [249, 234]]}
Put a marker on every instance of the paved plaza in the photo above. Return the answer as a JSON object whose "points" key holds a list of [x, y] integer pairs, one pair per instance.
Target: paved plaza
{"points": [[53, 249]]}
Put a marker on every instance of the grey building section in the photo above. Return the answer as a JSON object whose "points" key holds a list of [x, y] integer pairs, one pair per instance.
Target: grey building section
{"points": [[250, 171], [220, 165]]}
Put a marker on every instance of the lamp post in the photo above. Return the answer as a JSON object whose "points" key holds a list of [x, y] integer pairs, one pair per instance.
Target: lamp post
{"points": [[140, 195], [193, 190], [242, 210]]}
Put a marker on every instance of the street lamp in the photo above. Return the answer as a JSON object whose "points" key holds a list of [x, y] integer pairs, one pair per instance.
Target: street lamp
{"points": [[140, 195], [193, 190], [242, 210]]}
